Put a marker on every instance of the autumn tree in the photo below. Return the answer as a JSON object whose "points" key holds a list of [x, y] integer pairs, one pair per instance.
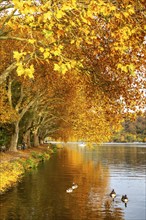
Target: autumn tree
{"points": [[132, 130], [97, 48]]}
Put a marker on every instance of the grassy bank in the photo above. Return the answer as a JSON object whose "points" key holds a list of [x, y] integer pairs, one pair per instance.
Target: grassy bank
{"points": [[14, 165]]}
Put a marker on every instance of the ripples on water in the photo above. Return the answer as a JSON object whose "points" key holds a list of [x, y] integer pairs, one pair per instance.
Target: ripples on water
{"points": [[42, 193]]}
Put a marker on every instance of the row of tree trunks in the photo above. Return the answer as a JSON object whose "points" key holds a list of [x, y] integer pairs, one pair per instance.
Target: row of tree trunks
{"points": [[26, 138]]}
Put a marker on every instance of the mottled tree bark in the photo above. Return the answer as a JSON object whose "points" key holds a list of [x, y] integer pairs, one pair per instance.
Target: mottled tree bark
{"points": [[36, 138], [14, 137]]}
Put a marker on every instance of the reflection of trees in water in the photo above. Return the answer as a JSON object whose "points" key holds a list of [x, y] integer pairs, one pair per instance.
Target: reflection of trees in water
{"points": [[115, 214], [122, 154], [90, 200]]}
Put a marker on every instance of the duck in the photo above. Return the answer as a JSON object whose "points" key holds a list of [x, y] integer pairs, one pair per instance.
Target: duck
{"points": [[113, 194], [124, 199], [70, 190], [74, 186]]}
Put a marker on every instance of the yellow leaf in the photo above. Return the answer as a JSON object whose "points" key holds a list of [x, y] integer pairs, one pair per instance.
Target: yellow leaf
{"points": [[119, 65], [47, 15], [118, 15], [56, 67], [86, 31], [78, 43], [42, 49], [29, 19], [18, 4], [20, 70], [112, 8], [66, 7], [104, 10], [90, 14], [59, 14], [122, 67], [57, 52], [32, 68], [132, 69], [46, 54], [72, 41], [31, 41], [60, 47], [126, 14], [74, 3], [84, 20], [131, 9], [64, 68], [17, 55], [73, 63], [29, 71], [47, 33]]}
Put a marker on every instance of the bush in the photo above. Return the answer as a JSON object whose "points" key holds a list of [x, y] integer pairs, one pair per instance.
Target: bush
{"points": [[30, 163], [40, 156]]}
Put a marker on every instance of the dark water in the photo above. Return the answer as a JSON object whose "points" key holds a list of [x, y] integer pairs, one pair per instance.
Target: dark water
{"points": [[42, 193]]}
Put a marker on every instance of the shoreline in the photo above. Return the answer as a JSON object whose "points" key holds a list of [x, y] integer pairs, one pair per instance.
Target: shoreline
{"points": [[14, 165], [126, 143], [10, 156]]}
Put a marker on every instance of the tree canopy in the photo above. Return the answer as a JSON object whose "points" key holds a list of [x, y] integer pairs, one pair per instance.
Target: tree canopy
{"points": [[71, 69]]}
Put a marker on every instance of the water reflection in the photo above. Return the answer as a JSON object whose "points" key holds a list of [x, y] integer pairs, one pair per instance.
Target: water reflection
{"points": [[42, 193]]}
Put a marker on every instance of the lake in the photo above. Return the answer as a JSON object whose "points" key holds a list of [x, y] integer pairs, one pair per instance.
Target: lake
{"points": [[41, 195]]}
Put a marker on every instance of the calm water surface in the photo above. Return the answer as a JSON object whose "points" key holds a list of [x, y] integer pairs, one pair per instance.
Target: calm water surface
{"points": [[42, 193]]}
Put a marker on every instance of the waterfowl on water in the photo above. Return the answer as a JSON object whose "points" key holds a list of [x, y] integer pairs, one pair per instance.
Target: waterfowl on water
{"points": [[70, 190], [124, 199], [74, 186], [113, 194], [82, 144]]}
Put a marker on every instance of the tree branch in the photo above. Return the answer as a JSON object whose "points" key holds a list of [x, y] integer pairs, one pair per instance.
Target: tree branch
{"points": [[9, 91], [20, 99], [6, 72], [26, 108], [12, 38], [8, 18], [6, 7]]}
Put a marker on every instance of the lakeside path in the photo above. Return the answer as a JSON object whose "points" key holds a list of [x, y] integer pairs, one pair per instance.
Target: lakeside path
{"points": [[10, 156]]}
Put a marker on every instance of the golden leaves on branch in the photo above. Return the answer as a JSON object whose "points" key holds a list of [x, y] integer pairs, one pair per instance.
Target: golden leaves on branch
{"points": [[72, 21], [26, 70], [24, 7], [127, 68]]}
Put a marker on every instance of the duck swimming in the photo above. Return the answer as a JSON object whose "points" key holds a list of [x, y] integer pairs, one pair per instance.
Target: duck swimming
{"points": [[70, 190], [113, 194], [74, 186]]}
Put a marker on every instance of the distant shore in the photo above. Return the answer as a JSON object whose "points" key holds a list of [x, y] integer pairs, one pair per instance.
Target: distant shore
{"points": [[121, 143]]}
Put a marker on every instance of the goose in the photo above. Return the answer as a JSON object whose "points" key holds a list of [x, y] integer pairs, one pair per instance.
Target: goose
{"points": [[70, 190], [113, 194], [124, 199], [74, 186]]}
